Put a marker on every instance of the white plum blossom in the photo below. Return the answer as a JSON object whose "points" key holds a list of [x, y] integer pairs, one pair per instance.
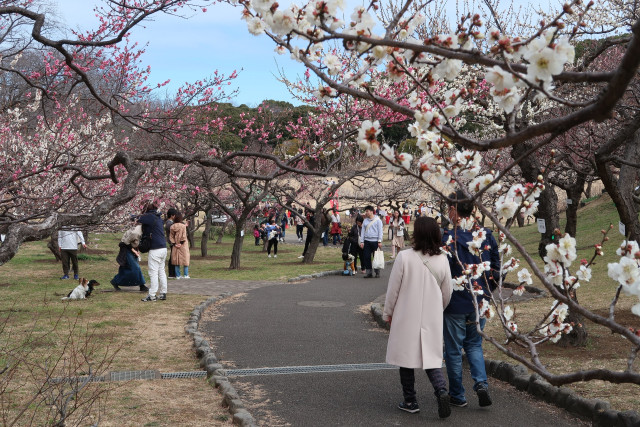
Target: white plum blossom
{"points": [[544, 64], [584, 273], [482, 181], [500, 78], [256, 26], [333, 63], [506, 207], [459, 282], [626, 272], [367, 137], [510, 265], [628, 249], [507, 312], [525, 277], [448, 69], [281, 22], [507, 99], [567, 249]]}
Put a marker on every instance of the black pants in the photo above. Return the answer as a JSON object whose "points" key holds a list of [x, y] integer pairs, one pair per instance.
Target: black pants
{"points": [[273, 242], [357, 254], [299, 229], [69, 255], [367, 252], [407, 379], [172, 268], [257, 241]]}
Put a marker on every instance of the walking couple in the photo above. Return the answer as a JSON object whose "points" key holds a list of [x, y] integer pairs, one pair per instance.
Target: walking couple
{"points": [[424, 311]]}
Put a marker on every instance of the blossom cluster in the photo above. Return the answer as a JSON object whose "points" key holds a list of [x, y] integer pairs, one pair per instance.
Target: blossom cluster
{"points": [[627, 271]]}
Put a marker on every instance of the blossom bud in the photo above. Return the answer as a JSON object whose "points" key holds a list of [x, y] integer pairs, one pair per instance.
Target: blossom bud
{"points": [[606, 239], [540, 178]]}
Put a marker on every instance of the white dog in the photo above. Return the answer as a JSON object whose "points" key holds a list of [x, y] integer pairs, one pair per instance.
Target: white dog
{"points": [[83, 290]]}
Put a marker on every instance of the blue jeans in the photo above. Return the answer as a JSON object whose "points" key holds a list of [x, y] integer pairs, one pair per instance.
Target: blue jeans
{"points": [[186, 270], [460, 332], [325, 238]]}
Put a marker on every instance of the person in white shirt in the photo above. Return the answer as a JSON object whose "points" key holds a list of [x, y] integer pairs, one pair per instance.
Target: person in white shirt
{"points": [[370, 240], [68, 243]]}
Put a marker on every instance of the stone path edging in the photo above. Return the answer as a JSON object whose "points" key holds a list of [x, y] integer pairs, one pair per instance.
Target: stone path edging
{"points": [[215, 371], [596, 410]]}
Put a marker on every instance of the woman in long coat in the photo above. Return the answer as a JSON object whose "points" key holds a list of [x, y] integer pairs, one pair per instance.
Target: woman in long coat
{"points": [[419, 290], [396, 233], [180, 255]]}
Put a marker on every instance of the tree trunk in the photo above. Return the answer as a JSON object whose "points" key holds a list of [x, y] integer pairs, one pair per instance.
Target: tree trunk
{"points": [[621, 189], [221, 233], [204, 242], [237, 244], [548, 200], [587, 192], [520, 219], [313, 248], [53, 247], [190, 234], [578, 335], [573, 202]]}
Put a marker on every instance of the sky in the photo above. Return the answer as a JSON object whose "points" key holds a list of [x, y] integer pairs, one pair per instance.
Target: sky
{"points": [[187, 50]]}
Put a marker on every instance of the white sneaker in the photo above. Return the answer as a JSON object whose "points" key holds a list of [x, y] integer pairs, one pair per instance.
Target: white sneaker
{"points": [[275, 256], [179, 277], [269, 256], [301, 256], [186, 277]]}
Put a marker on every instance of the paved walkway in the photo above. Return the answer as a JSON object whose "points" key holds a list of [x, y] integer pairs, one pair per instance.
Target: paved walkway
{"points": [[326, 322]]}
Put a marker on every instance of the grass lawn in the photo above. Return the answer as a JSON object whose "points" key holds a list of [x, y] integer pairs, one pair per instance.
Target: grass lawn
{"points": [[603, 349], [115, 331]]}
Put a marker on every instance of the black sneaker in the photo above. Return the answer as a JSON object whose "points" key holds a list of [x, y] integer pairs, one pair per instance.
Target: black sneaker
{"points": [[162, 297], [444, 409], [116, 287], [456, 402], [149, 298], [483, 397], [411, 408], [143, 288]]}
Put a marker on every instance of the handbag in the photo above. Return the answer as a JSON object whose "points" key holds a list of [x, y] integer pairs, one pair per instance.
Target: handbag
{"points": [[145, 243], [406, 234], [378, 259]]}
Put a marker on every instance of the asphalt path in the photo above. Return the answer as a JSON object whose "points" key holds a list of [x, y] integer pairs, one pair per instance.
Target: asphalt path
{"points": [[326, 322]]}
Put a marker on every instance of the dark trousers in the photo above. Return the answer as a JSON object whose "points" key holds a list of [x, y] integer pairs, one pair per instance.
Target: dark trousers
{"points": [[407, 379], [307, 242], [273, 242], [357, 254], [257, 241], [367, 252], [172, 268], [69, 255], [299, 229]]}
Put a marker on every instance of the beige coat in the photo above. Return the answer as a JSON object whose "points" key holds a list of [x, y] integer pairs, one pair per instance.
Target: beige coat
{"points": [[178, 234], [416, 302]]}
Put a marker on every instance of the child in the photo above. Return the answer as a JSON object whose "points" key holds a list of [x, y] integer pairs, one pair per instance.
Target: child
{"points": [[256, 234], [349, 264]]}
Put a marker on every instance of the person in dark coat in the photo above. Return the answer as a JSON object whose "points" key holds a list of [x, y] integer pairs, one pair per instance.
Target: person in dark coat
{"points": [[129, 272], [153, 227], [351, 245]]}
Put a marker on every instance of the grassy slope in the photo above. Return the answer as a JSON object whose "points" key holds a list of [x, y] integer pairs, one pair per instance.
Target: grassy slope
{"points": [[145, 336], [603, 349]]}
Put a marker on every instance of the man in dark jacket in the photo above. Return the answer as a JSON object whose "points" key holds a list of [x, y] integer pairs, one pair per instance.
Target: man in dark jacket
{"points": [[153, 227], [460, 320]]}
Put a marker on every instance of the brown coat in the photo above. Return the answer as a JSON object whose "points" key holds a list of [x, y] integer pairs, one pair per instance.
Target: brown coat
{"points": [[416, 302], [178, 234]]}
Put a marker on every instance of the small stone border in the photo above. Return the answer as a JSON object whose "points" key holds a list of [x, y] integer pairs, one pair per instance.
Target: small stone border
{"points": [[215, 372], [596, 410]]}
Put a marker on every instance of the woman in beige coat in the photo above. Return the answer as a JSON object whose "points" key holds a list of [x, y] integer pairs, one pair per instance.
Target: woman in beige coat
{"points": [[419, 290], [180, 255]]}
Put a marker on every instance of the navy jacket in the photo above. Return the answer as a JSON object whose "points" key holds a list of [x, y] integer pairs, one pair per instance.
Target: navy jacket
{"points": [[152, 224], [462, 301]]}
